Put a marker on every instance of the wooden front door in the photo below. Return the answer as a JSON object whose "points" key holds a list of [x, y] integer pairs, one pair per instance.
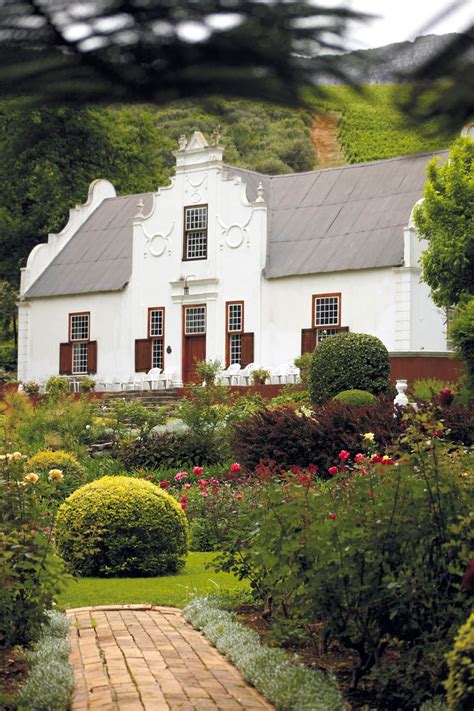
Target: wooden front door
{"points": [[194, 340]]}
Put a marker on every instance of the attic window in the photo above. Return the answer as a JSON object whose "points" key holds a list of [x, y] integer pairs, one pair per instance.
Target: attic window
{"points": [[326, 310], [195, 232]]}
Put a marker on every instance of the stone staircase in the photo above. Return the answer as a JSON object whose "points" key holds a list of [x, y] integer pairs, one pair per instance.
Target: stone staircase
{"points": [[149, 398]]}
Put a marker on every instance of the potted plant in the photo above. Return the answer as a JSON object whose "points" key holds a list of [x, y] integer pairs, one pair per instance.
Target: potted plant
{"points": [[31, 388], [259, 376], [87, 385]]}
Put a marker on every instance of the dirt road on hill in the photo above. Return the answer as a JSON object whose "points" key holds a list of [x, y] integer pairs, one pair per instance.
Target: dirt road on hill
{"points": [[324, 140]]}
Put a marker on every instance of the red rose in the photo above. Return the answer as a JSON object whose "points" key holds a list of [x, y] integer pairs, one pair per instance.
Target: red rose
{"points": [[343, 455], [183, 499], [235, 467], [184, 506], [332, 516], [332, 470], [198, 471], [164, 484], [359, 458], [150, 477], [238, 496], [187, 486]]}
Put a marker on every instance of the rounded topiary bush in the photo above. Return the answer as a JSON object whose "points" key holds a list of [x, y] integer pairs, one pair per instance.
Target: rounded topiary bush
{"points": [[349, 361], [73, 472], [460, 683], [122, 526], [355, 397]]}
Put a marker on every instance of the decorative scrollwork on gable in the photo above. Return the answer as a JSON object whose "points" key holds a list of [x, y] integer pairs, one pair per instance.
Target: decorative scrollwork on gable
{"points": [[158, 242], [234, 234]]}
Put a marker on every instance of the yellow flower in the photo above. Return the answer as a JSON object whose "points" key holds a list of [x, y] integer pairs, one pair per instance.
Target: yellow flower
{"points": [[369, 436], [32, 478], [3, 457], [385, 458], [56, 475]]}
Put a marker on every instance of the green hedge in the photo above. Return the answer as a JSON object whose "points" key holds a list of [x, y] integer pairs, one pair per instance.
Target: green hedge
{"points": [[355, 397], [349, 361], [120, 526]]}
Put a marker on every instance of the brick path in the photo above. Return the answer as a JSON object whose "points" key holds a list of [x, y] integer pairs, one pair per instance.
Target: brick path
{"points": [[142, 657]]}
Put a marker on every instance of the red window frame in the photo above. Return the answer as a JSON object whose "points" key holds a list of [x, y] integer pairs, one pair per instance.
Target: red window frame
{"points": [[157, 338], [187, 232], [313, 315], [228, 332]]}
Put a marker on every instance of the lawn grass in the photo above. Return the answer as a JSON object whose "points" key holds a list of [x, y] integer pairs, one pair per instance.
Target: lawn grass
{"points": [[167, 590]]}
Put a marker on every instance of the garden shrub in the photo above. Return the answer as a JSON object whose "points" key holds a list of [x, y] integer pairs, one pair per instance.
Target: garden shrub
{"points": [[121, 526], [56, 386], [73, 472], [49, 691], [428, 389], [460, 683], [291, 438], [355, 397], [348, 361], [8, 357], [459, 421], [376, 555], [31, 574], [167, 450]]}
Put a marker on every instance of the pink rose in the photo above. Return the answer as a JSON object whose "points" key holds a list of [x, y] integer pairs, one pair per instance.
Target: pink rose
{"points": [[187, 486], [238, 496], [235, 467], [343, 455], [181, 475], [359, 458], [332, 470]]}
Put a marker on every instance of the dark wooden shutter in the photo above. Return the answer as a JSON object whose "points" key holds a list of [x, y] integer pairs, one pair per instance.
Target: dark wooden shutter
{"points": [[65, 359], [142, 355], [246, 353], [92, 357], [308, 340]]}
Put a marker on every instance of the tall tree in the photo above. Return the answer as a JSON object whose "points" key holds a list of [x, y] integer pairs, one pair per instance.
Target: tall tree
{"points": [[445, 219]]}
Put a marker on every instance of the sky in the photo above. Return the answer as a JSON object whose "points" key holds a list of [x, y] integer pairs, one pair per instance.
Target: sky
{"points": [[401, 20]]}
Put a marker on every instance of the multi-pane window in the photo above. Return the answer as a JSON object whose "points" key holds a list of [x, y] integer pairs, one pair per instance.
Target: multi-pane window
{"points": [[156, 332], [327, 310], [323, 333], [79, 327], [80, 358], [195, 232], [156, 322], [157, 353], [235, 327], [195, 320]]}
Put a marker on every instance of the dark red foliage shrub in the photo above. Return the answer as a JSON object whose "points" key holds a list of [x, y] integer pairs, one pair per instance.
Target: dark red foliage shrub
{"points": [[459, 420], [292, 439]]}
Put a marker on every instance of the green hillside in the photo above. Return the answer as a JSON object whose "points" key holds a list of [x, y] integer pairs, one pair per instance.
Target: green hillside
{"points": [[370, 126]]}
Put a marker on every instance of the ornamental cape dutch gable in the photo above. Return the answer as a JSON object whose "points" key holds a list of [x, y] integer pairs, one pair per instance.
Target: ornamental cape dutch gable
{"points": [[228, 264]]}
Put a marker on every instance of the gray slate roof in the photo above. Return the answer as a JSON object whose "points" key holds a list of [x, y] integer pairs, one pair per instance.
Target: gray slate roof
{"points": [[99, 256], [350, 217]]}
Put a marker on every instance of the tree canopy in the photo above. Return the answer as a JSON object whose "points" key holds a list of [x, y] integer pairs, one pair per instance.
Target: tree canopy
{"points": [[445, 219], [49, 156]]}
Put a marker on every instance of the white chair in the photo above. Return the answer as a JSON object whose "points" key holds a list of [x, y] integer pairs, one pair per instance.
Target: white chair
{"points": [[232, 372], [279, 374], [246, 374], [293, 375], [167, 377], [133, 382], [152, 378]]}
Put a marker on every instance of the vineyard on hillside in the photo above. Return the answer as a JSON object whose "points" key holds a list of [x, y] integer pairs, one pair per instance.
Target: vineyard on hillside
{"points": [[370, 126]]}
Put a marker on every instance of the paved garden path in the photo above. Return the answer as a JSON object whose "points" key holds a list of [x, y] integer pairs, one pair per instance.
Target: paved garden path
{"points": [[142, 657]]}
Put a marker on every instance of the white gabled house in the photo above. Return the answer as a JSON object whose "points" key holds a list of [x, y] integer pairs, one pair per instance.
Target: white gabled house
{"points": [[228, 264]]}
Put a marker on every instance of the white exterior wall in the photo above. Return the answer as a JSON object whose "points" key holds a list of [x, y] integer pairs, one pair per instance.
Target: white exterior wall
{"points": [[388, 302]]}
